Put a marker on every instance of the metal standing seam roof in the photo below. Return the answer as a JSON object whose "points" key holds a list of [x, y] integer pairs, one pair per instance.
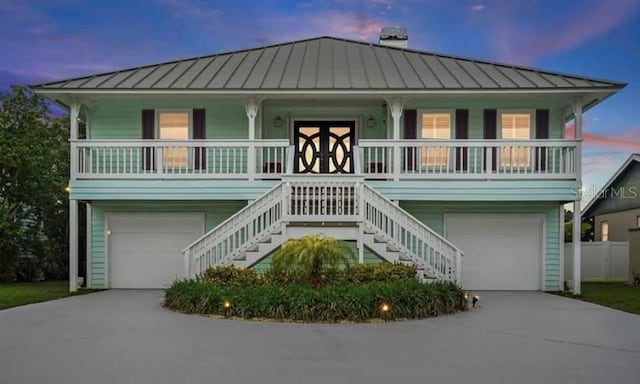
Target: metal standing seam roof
{"points": [[329, 63]]}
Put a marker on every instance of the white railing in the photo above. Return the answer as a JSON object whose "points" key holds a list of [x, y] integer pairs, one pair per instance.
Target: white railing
{"points": [[334, 200], [233, 159], [416, 159], [236, 235], [428, 250], [346, 200]]}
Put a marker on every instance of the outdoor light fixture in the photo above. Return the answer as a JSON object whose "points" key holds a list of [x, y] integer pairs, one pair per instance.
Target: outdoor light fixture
{"points": [[67, 189], [385, 308], [277, 122], [226, 307], [371, 122], [475, 300]]}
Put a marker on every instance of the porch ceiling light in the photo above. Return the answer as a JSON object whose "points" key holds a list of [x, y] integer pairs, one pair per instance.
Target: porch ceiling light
{"points": [[277, 122]]}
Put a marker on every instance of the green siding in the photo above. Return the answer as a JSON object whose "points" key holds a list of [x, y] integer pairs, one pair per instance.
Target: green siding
{"points": [[121, 119], [215, 213], [203, 189], [476, 109], [478, 190], [432, 215], [360, 112]]}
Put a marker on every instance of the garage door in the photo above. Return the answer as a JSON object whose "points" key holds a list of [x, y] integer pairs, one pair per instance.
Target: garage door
{"points": [[501, 252], [145, 248]]}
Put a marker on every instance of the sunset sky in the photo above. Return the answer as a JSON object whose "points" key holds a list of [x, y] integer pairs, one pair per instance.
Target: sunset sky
{"points": [[44, 40]]}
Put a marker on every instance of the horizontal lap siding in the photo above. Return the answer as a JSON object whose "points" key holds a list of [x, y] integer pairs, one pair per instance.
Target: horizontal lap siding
{"points": [[432, 215], [225, 119], [215, 213]]}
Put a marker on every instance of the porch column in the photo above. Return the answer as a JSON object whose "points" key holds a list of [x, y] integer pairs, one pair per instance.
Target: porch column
{"points": [[577, 243], [73, 245], [74, 112], [396, 106], [251, 106]]}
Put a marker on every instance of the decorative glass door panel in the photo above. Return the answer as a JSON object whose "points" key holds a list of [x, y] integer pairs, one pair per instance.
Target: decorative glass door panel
{"points": [[323, 146]]}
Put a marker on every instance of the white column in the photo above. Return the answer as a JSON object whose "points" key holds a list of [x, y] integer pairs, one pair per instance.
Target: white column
{"points": [[74, 112], [577, 244], [88, 282], [252, 106], [73, 245], [561, 250], [396, 106]]}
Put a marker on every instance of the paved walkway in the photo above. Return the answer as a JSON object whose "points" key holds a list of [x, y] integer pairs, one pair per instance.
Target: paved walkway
{"points": [[127, 337]]}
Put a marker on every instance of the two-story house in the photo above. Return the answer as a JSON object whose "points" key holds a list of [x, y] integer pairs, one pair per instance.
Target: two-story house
{"points": [[460, 166]]}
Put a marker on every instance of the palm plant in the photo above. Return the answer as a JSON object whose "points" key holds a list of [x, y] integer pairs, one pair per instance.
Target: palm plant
{"points": [[311, 254]]}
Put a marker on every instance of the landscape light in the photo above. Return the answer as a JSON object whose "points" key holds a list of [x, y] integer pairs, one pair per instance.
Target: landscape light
{"points": [[475, 300]]}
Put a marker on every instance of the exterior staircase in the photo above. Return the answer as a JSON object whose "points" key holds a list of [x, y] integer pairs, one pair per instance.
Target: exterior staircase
{"points": [[342, 206]]}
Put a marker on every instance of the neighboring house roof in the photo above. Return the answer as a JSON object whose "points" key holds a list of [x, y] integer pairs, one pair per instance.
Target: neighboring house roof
{"points": [[329, 63], [611, 190]]}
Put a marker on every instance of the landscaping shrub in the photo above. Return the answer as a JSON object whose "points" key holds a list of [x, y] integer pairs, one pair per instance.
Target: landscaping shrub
{"points": [[311, 255], [357, 302], [230, 275], [636, 279]]}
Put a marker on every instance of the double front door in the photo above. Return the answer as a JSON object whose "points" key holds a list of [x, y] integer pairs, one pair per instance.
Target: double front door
{"points": [[323, 146]]}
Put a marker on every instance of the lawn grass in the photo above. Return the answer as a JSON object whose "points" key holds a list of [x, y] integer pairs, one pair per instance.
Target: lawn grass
{"points": [[622, 296], [15, 294]]}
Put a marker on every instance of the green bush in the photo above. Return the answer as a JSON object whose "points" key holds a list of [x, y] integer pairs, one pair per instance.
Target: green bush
{"points": [[357, 302], [230, 275], [365, 273]]}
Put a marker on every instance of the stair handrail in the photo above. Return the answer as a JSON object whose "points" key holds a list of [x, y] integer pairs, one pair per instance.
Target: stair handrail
{"points": [[433, 263], [269, 203]]}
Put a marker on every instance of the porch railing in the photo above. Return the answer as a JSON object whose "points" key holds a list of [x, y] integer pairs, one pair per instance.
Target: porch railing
{"points": [[232, 159], [418, 159], [373, 159]]}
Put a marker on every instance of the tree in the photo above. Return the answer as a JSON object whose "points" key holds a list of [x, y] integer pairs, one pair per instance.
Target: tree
{"points": [[311, 254], [34, 166]]}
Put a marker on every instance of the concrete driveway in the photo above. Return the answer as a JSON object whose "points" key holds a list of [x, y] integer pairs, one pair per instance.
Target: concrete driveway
{"points": [[127, 337]]}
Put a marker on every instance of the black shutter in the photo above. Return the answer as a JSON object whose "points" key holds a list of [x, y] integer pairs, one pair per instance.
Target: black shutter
{"points": [[542, 132], [148, 133], [462, 133], [410, 132], [491, 133], [199, 133]]}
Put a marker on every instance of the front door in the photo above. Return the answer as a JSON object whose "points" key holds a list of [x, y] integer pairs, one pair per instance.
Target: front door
{"points": [[323, 146]]}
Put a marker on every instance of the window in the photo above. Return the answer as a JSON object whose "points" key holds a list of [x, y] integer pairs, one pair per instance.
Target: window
{"points": [[604, 230], [515, 126], [174, 126], [435, 125]]}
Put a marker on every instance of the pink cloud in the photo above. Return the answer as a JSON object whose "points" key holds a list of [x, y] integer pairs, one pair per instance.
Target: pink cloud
{"points": [[524, 43], [628, 139]]}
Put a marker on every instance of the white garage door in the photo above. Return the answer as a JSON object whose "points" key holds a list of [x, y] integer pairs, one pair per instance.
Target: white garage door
{"points": [[501, 252], [145, 248]]}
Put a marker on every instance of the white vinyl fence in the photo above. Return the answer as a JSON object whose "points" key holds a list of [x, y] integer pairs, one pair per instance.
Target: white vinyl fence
{"points": [[601, 261]]}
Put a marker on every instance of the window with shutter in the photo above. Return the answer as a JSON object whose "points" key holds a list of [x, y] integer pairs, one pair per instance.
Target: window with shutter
{"points": [[174, 126], [435, 125], [515, 126]]}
